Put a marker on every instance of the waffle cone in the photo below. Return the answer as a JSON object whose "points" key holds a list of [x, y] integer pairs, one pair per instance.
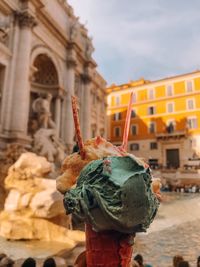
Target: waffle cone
{"points": [[107, 249]]}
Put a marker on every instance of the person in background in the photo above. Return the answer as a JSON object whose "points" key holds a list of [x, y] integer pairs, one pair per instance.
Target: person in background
{"points": [[2, 255], [49, 262], [6, 262], [176, 260], [139, 259], [198, 261], [134, 264], [183, 264], [29, 262]]}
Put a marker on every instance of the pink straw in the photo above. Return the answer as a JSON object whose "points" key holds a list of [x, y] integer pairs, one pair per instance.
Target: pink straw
{"points": [[127, 124], [77, 127]]}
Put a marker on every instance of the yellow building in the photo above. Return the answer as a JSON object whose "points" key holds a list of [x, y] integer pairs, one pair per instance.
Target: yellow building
{"points": [[165, 119]]}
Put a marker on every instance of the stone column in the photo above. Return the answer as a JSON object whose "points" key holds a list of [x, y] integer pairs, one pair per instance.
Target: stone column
{"points": [[58, 114], [86, 105], [105, 118], [21, 90], [69, 124], [8, 95], [98, 114]]}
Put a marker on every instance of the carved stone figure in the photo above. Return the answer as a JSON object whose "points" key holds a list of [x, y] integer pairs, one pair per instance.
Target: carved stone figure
{"points": [[47, 144], [41, 106], [4, 31], [43, 144], [74, 29], [89, 48]]}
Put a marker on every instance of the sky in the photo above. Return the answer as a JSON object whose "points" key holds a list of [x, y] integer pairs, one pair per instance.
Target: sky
{"points": [[150, 39]]}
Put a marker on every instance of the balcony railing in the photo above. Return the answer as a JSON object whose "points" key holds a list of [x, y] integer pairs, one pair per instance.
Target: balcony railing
{"points": [[171, 135]]}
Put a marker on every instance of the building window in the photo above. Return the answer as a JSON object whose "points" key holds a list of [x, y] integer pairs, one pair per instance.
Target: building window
{"points": [[133, 113], [117, 116], [190, 104], [151, 94], [117, 100], [134, 98], [170, 107], [133, 129], [153, 145], [151, 110], [117, 131], [171, 125], [134, 147], [192, 123], [152, 127], [169, 90], [189, 86]]}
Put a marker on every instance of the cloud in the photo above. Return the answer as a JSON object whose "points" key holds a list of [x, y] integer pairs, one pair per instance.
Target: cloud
{"points": [[148, 38]]}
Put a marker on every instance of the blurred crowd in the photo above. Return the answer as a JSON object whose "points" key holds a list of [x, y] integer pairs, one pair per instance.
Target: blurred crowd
{"points": [[183, 189], [138, 261], [177, 261], [6, 261]]}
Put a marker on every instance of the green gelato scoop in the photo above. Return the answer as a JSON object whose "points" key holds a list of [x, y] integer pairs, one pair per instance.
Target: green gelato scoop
{"points": [[114, 194]]}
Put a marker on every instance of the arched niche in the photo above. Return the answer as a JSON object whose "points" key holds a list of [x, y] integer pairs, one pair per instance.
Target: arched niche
{"points": [[45, 73], [44, 82]]}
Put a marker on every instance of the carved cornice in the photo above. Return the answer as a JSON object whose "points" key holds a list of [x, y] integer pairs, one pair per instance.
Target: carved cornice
{"points": [[87, 75], [71, 62], [86, 78], [24, 19]]}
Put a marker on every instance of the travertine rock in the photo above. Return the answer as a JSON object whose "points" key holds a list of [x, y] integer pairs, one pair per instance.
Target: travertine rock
{"points": [[23, 174], [33, 207], [17, 227], [12, 201], [30, 162], [47, 204]]}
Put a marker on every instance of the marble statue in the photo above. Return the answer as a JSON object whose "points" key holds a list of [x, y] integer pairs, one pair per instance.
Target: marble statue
{"points": [[46, 142], [4, 30], [74, 29], [89, 48], [41, 106]]}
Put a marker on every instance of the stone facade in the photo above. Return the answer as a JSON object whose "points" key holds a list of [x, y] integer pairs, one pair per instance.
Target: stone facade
{"points": [[45, 50]]}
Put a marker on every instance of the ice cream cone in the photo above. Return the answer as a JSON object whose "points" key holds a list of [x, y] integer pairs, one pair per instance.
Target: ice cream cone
{"points": [[107, 248]]}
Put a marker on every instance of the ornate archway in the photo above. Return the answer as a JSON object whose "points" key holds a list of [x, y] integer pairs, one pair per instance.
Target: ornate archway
{"points": [[44, 87]]}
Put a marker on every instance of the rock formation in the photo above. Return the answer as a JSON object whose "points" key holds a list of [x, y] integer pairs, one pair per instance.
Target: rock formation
{"points": [[8, 156], [33, 208]]}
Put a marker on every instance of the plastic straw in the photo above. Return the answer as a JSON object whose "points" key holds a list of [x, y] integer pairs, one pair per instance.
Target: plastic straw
{"points": [[77, 127], [127, 124]]}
